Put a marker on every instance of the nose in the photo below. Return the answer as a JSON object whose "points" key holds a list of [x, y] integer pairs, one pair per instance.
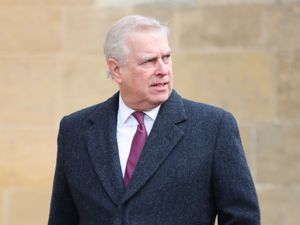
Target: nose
{"points": [[162, 68]]}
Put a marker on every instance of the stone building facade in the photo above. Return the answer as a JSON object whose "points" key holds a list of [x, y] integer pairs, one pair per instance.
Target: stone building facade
{"points": [[242, 55]]}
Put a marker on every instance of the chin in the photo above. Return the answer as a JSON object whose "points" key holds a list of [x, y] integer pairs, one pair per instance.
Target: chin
{"points": [[162, 99], [159, 98]]}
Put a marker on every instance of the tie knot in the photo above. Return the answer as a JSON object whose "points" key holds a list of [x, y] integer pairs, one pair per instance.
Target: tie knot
{"points": [[139, 116]]}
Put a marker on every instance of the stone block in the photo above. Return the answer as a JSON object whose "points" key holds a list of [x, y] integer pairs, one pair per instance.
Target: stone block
{"points": [[6, 146], [211, 2], [28, 91], [2, 213], [30, 29], [165, 15], [278, 155], [239, 82], [47, 2], [31, 158], [281, 27], [223, 26], [247, 141], [4, 206], [273, 207], [289, 1], [165, 3], [279, 206], [84, 83], [29, 207], [224, 2], [288, 83], [85, 28], [293, 199]]}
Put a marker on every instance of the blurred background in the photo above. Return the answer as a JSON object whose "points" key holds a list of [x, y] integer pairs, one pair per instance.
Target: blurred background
{"points": [[242, 55]]}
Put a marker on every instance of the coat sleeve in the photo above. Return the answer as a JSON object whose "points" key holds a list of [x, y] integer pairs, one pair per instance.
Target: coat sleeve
{"points": [[62, 209], [234, 191]]}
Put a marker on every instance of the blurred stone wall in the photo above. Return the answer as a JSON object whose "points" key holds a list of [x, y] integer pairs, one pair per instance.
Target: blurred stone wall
{"points": [[242, 55]]}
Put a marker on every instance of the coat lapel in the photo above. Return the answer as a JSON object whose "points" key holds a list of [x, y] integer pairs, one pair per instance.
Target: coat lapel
{"points": [[164, 135], [103, 149]]}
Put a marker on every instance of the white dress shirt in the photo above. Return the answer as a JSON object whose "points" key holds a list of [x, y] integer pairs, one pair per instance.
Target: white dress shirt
{"points": [[126, 128]]}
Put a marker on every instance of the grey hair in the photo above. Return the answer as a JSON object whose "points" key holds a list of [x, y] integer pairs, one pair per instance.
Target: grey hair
{"points": [[115, 45]]}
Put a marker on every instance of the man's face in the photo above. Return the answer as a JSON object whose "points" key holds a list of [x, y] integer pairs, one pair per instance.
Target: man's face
{"points": [[146, 80]]}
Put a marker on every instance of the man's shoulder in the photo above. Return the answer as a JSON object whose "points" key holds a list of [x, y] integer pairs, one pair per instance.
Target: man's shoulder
{"points": [[79, 119], [194, 107], [198, 111], [83, 112], [94, 110], [208, 115]]}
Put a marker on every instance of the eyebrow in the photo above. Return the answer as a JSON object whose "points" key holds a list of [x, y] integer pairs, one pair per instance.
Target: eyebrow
{"points": [[149, 58]]}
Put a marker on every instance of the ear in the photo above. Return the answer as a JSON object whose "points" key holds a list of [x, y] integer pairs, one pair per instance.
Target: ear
{"points": [[115, 70]]}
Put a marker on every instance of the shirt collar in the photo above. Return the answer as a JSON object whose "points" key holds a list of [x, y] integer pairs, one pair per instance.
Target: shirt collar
{"points": [[125, 112]]}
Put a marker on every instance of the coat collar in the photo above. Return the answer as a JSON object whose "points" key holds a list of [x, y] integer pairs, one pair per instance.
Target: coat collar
{"points": [[164, 135], [102, 145], [103, 148]]}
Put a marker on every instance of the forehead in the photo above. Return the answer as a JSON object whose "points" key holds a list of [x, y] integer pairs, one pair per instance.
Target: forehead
{"points": [[148, 41]]}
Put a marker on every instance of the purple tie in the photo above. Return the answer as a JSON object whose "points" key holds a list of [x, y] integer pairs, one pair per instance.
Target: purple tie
{"points": [[137, 146]]}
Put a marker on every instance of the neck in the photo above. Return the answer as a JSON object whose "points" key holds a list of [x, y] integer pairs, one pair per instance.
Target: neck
{"points": [[138, 106]]}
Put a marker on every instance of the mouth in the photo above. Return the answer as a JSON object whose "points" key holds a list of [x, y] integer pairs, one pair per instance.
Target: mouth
{"points": [[161, 84]]}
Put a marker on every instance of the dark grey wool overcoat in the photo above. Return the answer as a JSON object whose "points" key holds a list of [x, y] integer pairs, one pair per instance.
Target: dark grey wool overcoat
{"points": [[192, 168]]}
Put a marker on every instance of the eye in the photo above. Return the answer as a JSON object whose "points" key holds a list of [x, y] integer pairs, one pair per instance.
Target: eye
{"points": [[166, 58], [149, 61]]}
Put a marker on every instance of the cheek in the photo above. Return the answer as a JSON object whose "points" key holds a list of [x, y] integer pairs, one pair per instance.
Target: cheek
{"points": [[139, 78], [170, 67], [136, 84], [143, 77]]}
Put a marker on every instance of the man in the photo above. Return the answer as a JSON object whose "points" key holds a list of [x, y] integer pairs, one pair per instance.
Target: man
{"points": [[146, 156]]}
